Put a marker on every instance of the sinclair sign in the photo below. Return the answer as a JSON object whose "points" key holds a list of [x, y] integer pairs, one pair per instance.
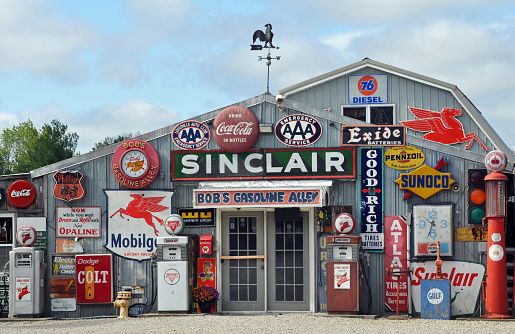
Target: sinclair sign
{"points": [[264, 164]]}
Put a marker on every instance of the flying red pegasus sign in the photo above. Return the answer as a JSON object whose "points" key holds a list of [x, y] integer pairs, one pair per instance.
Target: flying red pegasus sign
{"points": [[442, 127], [135, 220]]}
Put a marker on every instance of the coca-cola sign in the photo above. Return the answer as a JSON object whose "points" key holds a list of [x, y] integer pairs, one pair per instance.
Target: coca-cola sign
{"points": [[22, 193], [236, 129]]}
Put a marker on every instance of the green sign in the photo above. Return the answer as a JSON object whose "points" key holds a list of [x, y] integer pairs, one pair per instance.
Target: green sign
{"points": [[331, 163]]}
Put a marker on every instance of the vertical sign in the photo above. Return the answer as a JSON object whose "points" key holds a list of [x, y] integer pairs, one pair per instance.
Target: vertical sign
{"points": [[322, 271], [372, 199], [94, 278], [396, 260]]}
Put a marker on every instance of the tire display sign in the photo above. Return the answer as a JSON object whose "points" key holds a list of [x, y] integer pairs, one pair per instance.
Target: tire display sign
{"points": [[368, 89], [298, 130], [236, 129], [94, 279]]}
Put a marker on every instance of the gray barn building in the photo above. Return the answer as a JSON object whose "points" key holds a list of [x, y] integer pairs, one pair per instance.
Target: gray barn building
{"points": [[276, 184]]}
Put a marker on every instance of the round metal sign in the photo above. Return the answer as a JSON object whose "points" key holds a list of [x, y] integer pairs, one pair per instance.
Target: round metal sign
{"points": [[495, 161], [26, 235], [236, 129], [344, 223], [174, 224], [191, 135], [22, 193], [135, 164]]}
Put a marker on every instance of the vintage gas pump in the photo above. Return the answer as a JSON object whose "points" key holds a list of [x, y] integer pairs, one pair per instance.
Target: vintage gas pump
{"points": [[26, 276], [343, 270], [174, 268], [495, 293]]}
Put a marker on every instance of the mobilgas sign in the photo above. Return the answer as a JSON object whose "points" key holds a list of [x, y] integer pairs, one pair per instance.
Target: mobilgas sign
{"points": [[368, 89], [372, 199], [264, 164], [373, 135]]}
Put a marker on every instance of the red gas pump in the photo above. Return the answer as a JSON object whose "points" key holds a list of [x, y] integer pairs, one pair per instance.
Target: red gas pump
{"points": [[495, 293], [343, 271]]}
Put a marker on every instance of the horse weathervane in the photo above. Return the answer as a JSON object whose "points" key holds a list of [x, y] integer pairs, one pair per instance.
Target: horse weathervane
{"points": [[266, 37]]}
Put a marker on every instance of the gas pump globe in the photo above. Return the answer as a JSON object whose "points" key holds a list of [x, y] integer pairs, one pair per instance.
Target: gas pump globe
{"points": [[495, 294]]}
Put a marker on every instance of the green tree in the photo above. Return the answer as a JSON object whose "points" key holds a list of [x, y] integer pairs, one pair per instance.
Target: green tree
{"points": [[24, 148], [113, 140]]}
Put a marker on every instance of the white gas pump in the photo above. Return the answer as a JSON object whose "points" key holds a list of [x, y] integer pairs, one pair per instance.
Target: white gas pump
{"points": [[26, 276], [173, 273]]}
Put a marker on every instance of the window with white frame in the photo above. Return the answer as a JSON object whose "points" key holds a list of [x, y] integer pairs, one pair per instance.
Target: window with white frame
{"points": [[373, 114]]}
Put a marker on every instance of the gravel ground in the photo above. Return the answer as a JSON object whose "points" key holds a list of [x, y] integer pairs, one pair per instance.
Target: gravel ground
{"points": [[285, 323]]}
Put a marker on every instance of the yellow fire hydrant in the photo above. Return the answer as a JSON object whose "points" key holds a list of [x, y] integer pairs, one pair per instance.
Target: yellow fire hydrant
{"points": [[123, 301]]}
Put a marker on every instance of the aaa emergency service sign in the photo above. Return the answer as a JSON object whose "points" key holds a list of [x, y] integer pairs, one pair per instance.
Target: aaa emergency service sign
{"points": [[94, 279], [135, 219]]}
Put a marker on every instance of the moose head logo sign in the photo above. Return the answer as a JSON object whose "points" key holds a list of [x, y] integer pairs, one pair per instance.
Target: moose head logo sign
{"points": [[442, 127]]}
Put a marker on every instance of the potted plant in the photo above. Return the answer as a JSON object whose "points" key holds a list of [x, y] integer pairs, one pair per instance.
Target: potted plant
{"points": [[205, 296]]}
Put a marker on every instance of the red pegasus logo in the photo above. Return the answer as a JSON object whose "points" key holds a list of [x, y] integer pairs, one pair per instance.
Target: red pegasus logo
{"points": [[23, 291], [443, 127], [141, 207]]}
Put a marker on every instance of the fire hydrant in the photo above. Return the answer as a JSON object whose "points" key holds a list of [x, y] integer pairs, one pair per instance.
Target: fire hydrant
{"points": [[123, 301]]}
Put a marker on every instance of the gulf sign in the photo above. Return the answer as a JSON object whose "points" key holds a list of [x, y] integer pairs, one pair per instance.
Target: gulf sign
{"points": [[298, 130], [404, 157], [256, 198], [191, 135], [94, 278], [465, 279], [368, 89], [425, 181]]}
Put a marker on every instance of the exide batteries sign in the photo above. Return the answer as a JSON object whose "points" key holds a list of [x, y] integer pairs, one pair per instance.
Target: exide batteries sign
{"points": [[368, 89], [93, 274]]}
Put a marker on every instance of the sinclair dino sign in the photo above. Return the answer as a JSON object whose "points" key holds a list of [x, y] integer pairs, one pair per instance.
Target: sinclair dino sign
{"points": [[442, 127], [134, 221]]}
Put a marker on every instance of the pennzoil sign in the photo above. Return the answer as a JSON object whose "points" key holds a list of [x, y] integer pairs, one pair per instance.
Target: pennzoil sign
{"points": [[404, 157]]}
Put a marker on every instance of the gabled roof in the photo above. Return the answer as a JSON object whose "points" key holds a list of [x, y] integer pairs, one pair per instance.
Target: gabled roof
{"points": [[469, 107]]}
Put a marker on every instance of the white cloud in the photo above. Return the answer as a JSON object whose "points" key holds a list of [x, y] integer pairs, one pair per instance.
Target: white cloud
{"points": [[35, 40]]}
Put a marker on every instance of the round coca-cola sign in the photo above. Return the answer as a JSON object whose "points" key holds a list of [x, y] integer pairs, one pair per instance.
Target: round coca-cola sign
{"points": [[22, 193], [236, 129]]}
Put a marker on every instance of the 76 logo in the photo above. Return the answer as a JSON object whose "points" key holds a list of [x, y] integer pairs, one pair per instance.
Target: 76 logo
{"points": [[367, 85]]}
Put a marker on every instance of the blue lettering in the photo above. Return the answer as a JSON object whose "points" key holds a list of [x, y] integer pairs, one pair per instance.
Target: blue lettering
{"points": [[200, 198], [237, 198], [116, 242], [404, 181], [226, 198], [445, 181]]}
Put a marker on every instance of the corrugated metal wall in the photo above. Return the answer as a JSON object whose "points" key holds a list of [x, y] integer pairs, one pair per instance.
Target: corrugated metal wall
{"points": [[97, 168]]}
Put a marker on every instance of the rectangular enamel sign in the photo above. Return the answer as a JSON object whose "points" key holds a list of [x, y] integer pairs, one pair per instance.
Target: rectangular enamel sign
{"points": [[332, 163]]}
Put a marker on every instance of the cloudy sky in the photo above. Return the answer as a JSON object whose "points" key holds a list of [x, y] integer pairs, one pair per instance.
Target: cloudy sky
{"points": [[107, 67]]}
